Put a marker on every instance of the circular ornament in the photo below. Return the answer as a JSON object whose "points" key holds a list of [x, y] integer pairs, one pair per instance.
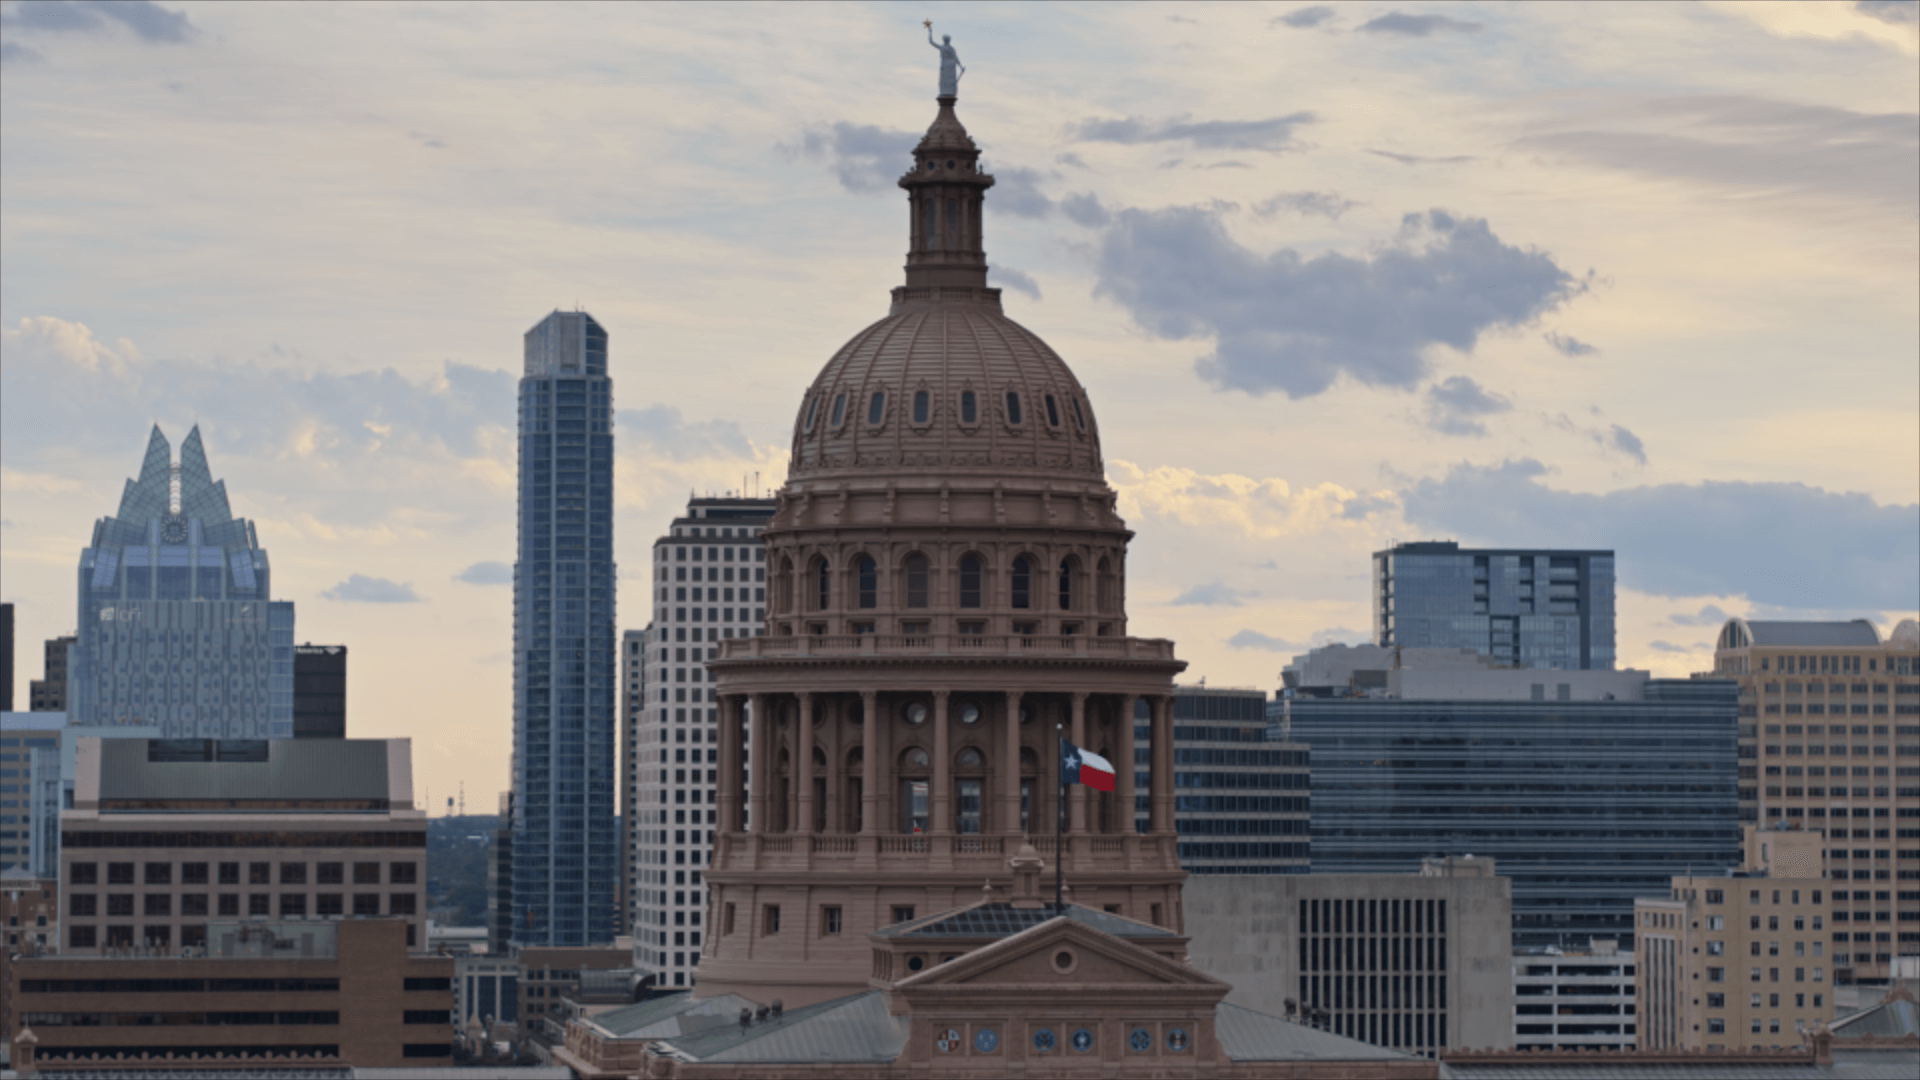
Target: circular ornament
{"points": [[915, 714], [1177, 1040], [1140, 1040], [1043, 1040], [947, 1041], [969, 713], [1082, 1040], [985, 1040], [173, 529]]}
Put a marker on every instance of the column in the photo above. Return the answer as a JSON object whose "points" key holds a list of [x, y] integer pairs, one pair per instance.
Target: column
{"points": [[836, 764], [1077, 795], [942, 769], [729, 775], [1010, 769], [870, 762], [759, 750], [1161, 815], [803, 768], [1123, 785]]}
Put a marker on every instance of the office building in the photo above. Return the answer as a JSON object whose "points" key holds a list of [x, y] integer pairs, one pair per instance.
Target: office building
{"points": [[177, 624], [1739, 959], [50, 694], [1531, 608], [1242, 799], [320, 691], [1830, 743], [30, 910], [316, 996], [1415, 961], [633, 701], [486, 989], [1588, 787], [566, 863], [500, 881], [30, 792], [709, 585], [6, 658], [1573, 997], [167, 837]]}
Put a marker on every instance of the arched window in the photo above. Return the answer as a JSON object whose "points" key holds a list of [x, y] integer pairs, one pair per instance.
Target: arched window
{"points": [[970, 576], [953, 225], [876, 407], [839, 410], [813, 406], [1013, 406], [822, 584], [1104, 571], [920, 403], [1053, 412], [916, 581], [1022, 583], [926, 225], [783, 588], [869, 575], [1067, 569], [969, 407], [969, 759], [1079, 418]]}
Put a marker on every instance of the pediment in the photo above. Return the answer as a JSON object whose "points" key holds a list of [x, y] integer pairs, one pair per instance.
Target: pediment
{"points": [[1062, 953]]}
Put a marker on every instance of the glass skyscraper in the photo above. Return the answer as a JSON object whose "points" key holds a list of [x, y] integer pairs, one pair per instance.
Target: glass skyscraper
{"points": [[1586, 801], [566, 858], [1240, 798], [1536, 608], [177, 627]]}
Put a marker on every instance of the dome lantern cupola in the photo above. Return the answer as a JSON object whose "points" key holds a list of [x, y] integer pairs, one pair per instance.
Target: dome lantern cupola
{"points": [[945, 193]]}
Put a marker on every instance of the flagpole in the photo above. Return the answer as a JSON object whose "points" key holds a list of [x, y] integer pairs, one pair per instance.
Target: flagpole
{"points": [[1059, 821]]}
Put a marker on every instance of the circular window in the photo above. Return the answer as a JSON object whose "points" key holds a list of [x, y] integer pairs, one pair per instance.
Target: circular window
{"points": [[1064, 961], [1082, 1040], [969, 713], [986, 1040], [1026, 715], [949, 163], [1177, 1040], [915, 963], [1140, 1040], [1043, 1040], [915, 714]]}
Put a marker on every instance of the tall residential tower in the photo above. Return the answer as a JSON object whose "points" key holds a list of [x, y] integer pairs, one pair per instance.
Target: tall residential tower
{"points": [[566, 859]]}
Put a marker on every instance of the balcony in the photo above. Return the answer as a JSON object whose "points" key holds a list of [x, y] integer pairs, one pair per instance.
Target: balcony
{"points": [[946, 645], [975, 854]]}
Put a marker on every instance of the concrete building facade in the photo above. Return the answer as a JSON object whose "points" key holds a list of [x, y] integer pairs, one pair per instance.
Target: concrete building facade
{"points": [[709, 586], [1574, 998], [1413, 961], [1739, 960], [167, 837], [1830, 743], [311, 994]]}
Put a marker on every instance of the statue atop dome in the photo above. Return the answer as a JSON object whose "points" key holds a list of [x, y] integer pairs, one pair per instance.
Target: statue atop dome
{"points": [[950, 66]]}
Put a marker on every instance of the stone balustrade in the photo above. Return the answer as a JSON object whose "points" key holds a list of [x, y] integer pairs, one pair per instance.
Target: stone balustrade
{"points": [[958, 645]]}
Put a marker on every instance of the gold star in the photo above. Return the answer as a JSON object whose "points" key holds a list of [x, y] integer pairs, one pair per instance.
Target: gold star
{"points": [[928, 23]]}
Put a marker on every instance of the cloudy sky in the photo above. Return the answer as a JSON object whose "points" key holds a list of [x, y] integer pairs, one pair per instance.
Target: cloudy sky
{"points": [[1636, 276]]}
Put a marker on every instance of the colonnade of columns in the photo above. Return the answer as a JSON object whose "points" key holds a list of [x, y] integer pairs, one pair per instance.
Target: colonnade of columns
{"points": [[879, 774]]}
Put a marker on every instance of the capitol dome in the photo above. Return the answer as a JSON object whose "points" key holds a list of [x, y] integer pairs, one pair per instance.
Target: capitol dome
{"points": [[946, 381]]}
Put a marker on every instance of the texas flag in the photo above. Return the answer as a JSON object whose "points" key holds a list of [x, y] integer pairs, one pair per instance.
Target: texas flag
{"points": [[1079, 766]]}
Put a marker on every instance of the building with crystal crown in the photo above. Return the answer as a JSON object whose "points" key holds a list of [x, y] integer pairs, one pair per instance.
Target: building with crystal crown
{"points": [[946, 594], [177, 625], [566, 857]]}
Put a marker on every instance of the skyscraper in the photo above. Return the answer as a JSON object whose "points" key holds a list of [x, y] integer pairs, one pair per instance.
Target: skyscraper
{"points": [[177, 626], [709, 577], [566, 859], [1531, 608]]}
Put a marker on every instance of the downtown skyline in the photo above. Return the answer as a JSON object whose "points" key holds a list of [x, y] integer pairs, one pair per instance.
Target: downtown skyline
{"points": [[1634, 277]]}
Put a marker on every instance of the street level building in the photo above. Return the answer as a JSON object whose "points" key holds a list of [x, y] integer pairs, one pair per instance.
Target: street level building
{"points": [[166, 837], [50, 694], [1574, 998], [1413, 961], [709, 586], [311, 994], [1830, 742], [1531, 608], [566, 836], [1740, 959], [946, 597], [1242, 800], [320, 691], [177, 624], [1588, 787]]}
